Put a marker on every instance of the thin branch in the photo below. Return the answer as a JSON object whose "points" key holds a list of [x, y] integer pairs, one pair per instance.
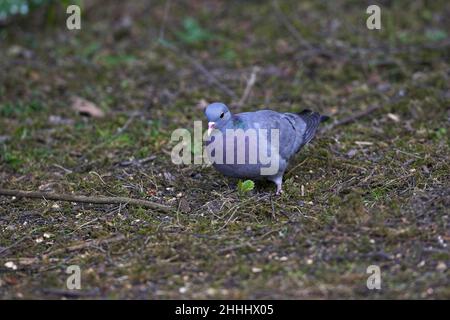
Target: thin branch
{"points": [[248, 89], [70, 293], [84, 199], [164, 20], [209, 76], [212, 79], [289, 26], [14, 244], [362, 114], [354, 117]]}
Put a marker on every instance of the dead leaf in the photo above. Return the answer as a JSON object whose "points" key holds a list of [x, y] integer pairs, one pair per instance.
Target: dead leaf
{"points": [[393, 117], [86, 108]]}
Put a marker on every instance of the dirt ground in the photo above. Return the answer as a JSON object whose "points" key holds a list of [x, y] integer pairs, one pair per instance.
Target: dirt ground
{"points": [[376, 191]]}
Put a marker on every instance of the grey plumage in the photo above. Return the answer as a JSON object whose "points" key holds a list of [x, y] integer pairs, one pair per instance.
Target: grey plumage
{"points": [[295, 131]]}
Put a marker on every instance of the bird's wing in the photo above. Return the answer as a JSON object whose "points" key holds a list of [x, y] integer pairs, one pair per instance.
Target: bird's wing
{"points": [[291, 128]]}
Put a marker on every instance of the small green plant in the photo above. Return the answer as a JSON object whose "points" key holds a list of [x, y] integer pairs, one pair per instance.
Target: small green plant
{"points": [[13, 159], [436, 35], [245, 186], [439, 134], [193, 32], [21, 108]]}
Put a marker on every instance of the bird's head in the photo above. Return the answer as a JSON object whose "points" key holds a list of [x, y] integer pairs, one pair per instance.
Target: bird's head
{"points": [[217, 114]]}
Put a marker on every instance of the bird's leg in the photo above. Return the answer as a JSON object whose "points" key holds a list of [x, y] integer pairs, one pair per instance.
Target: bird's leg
{"points": [[278, 181], [279, 190]]}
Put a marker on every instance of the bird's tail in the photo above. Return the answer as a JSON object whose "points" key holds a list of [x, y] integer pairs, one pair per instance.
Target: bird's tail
{"points": [[312, 120]]}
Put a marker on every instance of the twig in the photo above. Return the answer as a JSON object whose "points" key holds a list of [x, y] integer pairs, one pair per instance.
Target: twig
{"points": [[371, 109], [14, 244], [209, 76], [354, 117], [70, 293], [201, 68], [164, 20], [67, 171], [248, 89], [84, 245], [358, 115], [84, 199], [289, 26], [137, 162]]}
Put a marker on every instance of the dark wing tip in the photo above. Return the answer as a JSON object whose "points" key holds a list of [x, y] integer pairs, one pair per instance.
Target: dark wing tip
{"points": [[304, 112], [324, 118], [312, 120]]}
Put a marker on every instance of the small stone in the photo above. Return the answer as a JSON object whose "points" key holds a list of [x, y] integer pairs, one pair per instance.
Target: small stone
{"points": [[182, 290], [352, 153], [11, 265], [169, 177], [256, 270], [393, 117], [211, 291], [441, 266]]}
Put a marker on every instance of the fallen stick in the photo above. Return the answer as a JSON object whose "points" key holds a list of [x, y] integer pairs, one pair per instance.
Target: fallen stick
{"points": [[84, 199], [364, 113], [353, 117]]}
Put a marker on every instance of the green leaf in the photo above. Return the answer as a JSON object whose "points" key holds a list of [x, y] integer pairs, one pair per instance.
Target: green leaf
{"points": [[246, 186], [436, 35]]}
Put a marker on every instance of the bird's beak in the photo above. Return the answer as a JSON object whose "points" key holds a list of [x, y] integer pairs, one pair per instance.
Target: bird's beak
{"points": [[211, 127]]}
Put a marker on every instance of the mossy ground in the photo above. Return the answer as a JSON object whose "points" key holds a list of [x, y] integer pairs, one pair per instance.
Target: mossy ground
{"points": [[376, 192]]}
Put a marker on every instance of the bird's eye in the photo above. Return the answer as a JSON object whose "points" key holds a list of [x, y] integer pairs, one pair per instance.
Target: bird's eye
{"points": [[221, 115]]}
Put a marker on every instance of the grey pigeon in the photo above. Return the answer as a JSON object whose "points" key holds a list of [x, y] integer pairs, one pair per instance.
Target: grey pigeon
{"points": [[295, 130]]}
